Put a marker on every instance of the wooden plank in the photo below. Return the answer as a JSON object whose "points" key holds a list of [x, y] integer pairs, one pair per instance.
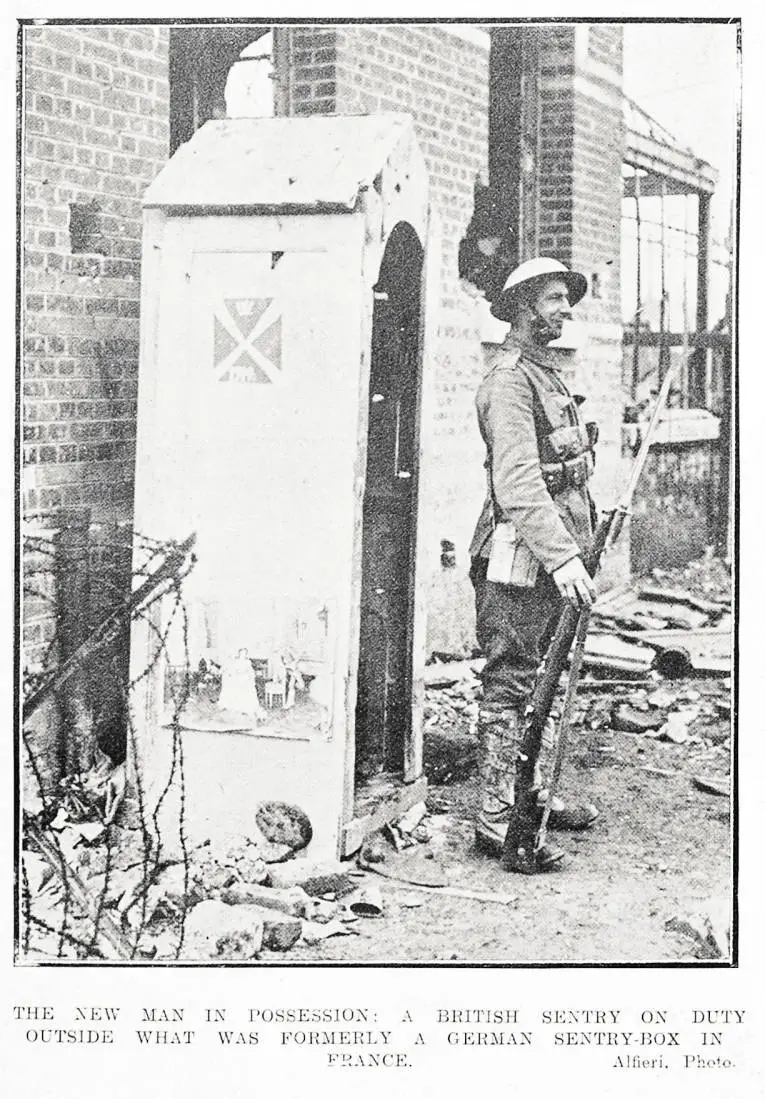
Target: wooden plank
{"points": [[391, 809], [419, 570], [677, 339], [73, 606], [451, 891], [703, 645], [677, 165], [677, 595], [610, 650]]}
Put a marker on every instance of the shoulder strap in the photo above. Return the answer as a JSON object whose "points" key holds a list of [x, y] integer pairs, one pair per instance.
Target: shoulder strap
{"points": [[501, 358]]}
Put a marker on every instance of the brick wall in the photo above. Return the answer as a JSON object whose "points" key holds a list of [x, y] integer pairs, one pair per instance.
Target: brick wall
{"points": [[95, 134], [442, 81], [74, 573], [312, 53], [96, 116], [582, 144], [605, 45], [556, 166]]}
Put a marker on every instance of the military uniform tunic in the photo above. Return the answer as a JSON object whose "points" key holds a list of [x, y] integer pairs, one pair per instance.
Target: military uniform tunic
{"points": [[538, 462]]}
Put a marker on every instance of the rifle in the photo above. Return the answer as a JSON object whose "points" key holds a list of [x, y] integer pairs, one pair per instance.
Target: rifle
{"points": [[524, 839]]}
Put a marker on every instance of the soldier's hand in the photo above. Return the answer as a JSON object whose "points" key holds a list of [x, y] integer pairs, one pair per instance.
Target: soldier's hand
{"points": [[575, 583]]}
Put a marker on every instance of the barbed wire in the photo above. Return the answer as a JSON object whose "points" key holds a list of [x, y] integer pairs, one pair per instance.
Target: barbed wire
{"points": [[111, 563], [146, 842], [69, 937], [25, 908]]}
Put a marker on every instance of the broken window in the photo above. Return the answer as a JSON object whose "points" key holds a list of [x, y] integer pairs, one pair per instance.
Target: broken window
{"points": [[675, 279], [504, 228], [219, 72], [249, 90]]}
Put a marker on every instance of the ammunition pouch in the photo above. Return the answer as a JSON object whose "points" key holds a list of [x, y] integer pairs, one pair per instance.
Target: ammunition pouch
{"points": [[571, 473], [566, 442], [567, 457]]}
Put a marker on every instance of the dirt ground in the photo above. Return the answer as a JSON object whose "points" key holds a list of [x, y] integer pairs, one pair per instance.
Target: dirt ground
{"points": [[640, 886], [650, 882], [661, 850]]}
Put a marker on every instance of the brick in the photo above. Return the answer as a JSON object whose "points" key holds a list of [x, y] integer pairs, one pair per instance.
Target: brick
{"points": [[68, 41], [37, 55], [82, 89], [44, 149], [441, 81], [68, 85], [93, 47], [50, 81]]}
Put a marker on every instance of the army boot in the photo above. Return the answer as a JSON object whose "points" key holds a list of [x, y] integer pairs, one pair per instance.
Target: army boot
{"points": [[564, 817], [499, 734]]}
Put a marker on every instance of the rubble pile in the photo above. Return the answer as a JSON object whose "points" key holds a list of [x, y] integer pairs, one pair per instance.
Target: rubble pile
{"points": [[693, 715], [98, 883], [452, 691], [657, 665], [677, 622], [691, 712], [244, 900]]}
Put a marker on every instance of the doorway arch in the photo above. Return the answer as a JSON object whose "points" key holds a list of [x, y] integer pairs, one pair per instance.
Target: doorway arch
{"points": [[384, 695]]}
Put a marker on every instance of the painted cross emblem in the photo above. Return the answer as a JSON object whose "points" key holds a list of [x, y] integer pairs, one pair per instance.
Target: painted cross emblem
{"points": [[247, 344]]}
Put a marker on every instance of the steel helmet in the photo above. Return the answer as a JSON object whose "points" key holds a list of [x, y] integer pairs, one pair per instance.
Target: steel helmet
{"points": [[528, 273]]}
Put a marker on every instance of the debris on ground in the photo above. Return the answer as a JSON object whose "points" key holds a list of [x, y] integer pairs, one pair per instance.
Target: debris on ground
{"points": [[452, 891], [712, 785], [629, 719], [666, 739], [223, 931], [315, 933], [684, 616], [675, 728], [367, 903], [284, 830], [405, 868], [293, 901], [709, 931], [316, 879]]}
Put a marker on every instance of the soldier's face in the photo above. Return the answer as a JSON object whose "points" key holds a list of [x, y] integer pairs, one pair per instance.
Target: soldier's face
{"points": [[553, 305]]}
